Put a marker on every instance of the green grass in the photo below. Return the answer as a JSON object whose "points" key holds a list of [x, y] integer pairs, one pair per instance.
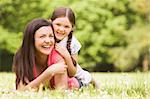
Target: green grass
{"points": [[112, 85]]}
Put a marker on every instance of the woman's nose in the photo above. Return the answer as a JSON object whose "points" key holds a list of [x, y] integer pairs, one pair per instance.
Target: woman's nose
{"points": [[47, 40]]}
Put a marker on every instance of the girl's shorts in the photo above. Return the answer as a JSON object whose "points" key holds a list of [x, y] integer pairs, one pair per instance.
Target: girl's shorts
{"points": [[74, 83]]}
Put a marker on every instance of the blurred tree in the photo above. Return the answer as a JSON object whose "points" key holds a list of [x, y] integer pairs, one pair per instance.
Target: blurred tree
{"points": [[137, 51], [112, 32], [14, 15], [101, 26], [9, 41]]}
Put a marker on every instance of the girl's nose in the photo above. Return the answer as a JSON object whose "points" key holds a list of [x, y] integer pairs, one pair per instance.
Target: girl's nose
{"points": [[61, 28]]}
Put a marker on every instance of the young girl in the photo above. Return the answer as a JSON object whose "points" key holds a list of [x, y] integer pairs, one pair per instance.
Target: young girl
{"points": [[63, 20], [36, 62]]}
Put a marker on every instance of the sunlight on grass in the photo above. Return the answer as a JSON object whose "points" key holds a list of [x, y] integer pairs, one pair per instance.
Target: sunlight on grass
{"points": [[112, 85]]}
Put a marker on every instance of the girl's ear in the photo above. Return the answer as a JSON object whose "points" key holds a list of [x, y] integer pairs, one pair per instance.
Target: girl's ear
{"points": [[73, 28], [49, 20]]}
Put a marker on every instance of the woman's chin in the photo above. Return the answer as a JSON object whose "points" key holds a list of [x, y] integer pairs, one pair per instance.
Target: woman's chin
{"points": [[47, 51]]}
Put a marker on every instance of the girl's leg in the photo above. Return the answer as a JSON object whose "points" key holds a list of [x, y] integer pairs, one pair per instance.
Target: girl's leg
{"points": [[61, 81], [64, 82], [94, 83], [73, 83]]}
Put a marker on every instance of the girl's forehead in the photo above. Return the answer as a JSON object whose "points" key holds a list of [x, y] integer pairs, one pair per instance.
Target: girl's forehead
{"points": [[62, 19]]}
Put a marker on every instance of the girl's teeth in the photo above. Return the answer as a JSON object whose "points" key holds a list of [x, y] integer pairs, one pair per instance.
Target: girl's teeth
{"points": [[60, 33]]}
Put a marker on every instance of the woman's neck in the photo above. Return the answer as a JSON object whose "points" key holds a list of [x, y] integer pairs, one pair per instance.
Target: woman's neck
{"points": [[41, 60]]}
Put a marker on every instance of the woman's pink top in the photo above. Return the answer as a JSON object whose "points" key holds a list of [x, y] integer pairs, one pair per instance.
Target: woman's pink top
{"points": [[54, 58]]}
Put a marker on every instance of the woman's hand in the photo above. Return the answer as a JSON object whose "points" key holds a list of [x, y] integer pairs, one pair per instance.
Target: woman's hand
{"points": [[58, 68], [22, 87]]}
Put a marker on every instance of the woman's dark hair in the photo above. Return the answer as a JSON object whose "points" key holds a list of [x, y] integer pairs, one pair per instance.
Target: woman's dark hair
{"points": [[24, 59], [66, 12]]}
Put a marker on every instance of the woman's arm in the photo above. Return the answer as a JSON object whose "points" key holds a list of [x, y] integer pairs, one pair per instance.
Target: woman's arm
{"points": [[67, 57], [47, 74]]}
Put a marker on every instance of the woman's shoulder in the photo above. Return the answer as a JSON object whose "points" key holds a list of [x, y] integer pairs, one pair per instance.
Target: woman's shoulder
{"points": [[54, 57]]}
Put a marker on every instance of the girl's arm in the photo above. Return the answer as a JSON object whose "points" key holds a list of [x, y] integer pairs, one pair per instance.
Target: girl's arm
{"points": [[75, 57], [66, 55], [47, 74]]}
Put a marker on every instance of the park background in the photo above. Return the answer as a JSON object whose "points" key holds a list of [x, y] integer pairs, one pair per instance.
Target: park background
{"points": [[115, 38], [115, 34]]}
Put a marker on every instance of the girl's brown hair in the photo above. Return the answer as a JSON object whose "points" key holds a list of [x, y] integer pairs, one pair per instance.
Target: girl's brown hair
{"points": [[66, 12]]}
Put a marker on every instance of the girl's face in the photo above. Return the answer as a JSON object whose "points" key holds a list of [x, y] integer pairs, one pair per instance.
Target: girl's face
{"points": [[44, 40], [62, 27]]}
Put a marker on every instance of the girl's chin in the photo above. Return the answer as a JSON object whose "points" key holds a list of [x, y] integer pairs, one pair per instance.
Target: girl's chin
{"points": [[59, 38]]}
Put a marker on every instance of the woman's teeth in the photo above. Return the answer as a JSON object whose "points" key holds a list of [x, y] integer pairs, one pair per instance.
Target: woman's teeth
{"points": [[46, 46]]}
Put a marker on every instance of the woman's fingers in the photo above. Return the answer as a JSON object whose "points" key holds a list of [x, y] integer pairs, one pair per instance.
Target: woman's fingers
{"points": [[26, 80]]}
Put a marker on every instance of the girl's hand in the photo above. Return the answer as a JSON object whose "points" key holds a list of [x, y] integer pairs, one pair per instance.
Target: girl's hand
{"points": [[58, 68], [62, 50]]}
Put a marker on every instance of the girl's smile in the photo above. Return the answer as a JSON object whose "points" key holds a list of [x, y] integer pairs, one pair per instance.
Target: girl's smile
{"points": [[62, 27]]}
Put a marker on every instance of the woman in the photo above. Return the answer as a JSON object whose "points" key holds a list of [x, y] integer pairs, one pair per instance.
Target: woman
{"points": [[33, 62]]}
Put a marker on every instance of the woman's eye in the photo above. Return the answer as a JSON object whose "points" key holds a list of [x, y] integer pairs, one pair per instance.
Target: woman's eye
{"points": [[42, 36], [51, 36]]}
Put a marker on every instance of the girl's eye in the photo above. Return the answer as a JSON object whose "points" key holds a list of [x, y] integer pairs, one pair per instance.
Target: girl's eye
{"points": [[58, 24], [67, 26]]}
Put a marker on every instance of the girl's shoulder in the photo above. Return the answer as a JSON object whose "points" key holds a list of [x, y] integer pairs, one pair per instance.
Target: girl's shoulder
{"points": [[75, 41], [75, 45]]}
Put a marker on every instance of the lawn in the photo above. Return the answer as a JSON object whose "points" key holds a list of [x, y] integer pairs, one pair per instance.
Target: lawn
{"points": [[112, 85]]}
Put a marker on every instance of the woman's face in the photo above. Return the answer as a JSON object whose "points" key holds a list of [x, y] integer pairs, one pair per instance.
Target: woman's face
{"points": [[44, 40], [62, 27]]}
